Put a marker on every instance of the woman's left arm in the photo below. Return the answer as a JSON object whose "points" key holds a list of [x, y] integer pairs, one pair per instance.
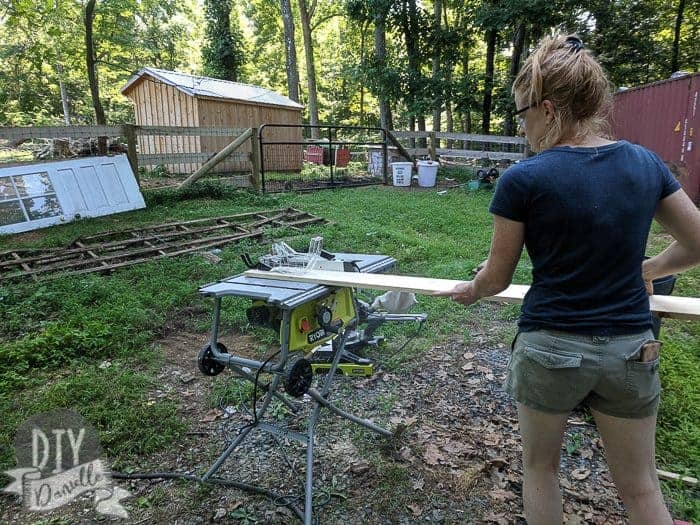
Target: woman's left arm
{"points": [[506, 247]]}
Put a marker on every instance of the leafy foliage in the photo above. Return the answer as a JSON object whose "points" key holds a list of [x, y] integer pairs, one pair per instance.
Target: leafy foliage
{"points": [[224, 51], [38, 36], [41, 45]]}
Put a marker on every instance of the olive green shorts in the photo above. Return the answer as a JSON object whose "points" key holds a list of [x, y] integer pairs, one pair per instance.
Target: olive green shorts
{"points": [[555, 371]]}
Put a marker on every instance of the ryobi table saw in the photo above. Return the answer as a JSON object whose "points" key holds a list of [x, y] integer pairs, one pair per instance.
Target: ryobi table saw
{"points": [[317, 326]]}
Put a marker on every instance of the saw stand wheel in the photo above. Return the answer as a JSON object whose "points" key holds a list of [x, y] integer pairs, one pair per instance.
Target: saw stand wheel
{"points": [[208, 365], [298, 377]]}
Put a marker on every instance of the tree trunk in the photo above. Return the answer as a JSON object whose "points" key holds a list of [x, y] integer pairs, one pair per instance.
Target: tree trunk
{"points": [[449, 66], [64, 94], [488, 81], [677, 36], [385, 117], [409, 21], [466, 116], [437, 99], [65, 104], [310, 67], [449, 122], [423, 141], [509, 128], [290, 51], [92, 73], [363, 32]]}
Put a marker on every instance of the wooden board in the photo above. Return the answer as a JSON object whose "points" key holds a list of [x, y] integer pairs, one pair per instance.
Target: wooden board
{"points": [[663, 305]]}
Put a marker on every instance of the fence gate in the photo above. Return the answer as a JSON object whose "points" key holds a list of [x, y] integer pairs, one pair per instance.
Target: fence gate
{"points": [[296, 157]]}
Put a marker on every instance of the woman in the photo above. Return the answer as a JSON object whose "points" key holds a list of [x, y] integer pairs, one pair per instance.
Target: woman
{"points": [[583, 208]]}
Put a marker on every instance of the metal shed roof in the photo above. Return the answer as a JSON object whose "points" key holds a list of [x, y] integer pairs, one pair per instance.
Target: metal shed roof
{"points": [[214, 88]]}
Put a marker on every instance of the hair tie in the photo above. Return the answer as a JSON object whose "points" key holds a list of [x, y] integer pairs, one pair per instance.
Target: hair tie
{"points": [[575, 43]]}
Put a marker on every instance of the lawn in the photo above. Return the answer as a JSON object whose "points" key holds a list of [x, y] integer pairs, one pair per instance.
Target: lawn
{"points": [[57, 335]]}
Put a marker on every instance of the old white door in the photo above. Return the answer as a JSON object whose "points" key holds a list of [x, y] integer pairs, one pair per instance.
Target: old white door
{"points": [[40, 195]]}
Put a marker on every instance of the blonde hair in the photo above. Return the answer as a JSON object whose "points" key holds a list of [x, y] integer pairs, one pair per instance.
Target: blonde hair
{"points": [[562, 71]]}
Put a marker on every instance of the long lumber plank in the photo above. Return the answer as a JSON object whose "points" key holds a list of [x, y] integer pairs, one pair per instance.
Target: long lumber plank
{"points": [[663, 305]]}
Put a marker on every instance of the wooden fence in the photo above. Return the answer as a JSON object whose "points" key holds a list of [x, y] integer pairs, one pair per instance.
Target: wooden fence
{"points": [[177, 148], [462, 145], [180, 149]]}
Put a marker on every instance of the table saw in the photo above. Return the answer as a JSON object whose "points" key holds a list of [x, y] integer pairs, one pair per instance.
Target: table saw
{"points": [[316, 323]]}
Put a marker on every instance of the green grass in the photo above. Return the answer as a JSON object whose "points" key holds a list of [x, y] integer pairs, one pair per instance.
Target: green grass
{"points": [[15, 155], [54, 334]]}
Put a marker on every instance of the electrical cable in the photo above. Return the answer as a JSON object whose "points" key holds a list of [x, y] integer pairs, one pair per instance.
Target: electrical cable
{"points": [[278, 499], [255, 393]]}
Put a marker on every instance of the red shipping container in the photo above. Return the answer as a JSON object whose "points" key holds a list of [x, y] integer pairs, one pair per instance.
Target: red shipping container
{"points": [[664, 117]]}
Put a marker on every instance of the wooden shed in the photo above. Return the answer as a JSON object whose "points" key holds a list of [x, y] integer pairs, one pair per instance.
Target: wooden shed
{"points": [[169, 98]]}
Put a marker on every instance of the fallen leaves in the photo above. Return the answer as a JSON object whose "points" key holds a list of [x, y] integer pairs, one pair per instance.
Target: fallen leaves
{"points": [[360, 467], [415, 509], [433, 455], [501, 495], [580, 474], [211, 415], [468, 479], [459, 448], [499, 519]]}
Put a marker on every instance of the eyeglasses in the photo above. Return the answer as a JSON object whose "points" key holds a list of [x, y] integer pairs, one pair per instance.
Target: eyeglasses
{"points": [[521, 120]]}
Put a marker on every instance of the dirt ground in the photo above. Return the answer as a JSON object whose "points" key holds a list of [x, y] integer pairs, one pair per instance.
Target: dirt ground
{"points": [[456, 459]]}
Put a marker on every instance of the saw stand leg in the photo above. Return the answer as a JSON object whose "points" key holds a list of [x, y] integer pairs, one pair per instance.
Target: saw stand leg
{"points": [[319, 399], [236, 363]]}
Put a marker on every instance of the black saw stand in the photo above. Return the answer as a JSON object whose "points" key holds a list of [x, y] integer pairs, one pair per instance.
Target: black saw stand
{"points": [[285, 297]]}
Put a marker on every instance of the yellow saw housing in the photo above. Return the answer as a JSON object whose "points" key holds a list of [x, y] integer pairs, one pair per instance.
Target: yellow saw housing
{"points": [[305, 330]]}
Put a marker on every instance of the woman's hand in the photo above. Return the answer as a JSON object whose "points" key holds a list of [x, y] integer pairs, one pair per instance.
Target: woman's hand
{"points": [[462, 293]]}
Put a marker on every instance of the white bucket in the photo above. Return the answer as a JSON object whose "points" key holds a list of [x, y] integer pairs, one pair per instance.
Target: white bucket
{"points": [[402, 173], [427, 173]]}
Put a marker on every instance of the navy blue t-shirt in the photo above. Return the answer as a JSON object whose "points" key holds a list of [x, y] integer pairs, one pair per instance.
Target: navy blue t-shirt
{"points": [[587, 214]]}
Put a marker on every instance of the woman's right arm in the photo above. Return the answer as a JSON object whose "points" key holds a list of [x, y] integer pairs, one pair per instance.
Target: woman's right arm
{"points": [[680, 218]]}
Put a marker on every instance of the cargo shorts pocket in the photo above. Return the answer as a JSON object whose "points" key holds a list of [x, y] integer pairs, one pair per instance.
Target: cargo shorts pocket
{"points": [[545, 378], [642, 378], [553, 360]]}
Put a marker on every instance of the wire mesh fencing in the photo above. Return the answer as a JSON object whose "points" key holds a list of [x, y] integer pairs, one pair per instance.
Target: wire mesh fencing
{"points": [[309, 158]]}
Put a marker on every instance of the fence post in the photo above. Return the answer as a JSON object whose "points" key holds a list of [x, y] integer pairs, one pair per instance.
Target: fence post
{"points": [[255, 158], [432, 147], [216, 159], [129, 131]]}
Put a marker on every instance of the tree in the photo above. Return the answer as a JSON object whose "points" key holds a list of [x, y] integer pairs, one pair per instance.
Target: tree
{"points": [[91, 64], [290, 51], [223, 53], [625, 35], [386, 118], [436, 67], [418, 101], [519, 40], [490, 18], [375, 70], [306, 12], [491, 37], [677, 35]]}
